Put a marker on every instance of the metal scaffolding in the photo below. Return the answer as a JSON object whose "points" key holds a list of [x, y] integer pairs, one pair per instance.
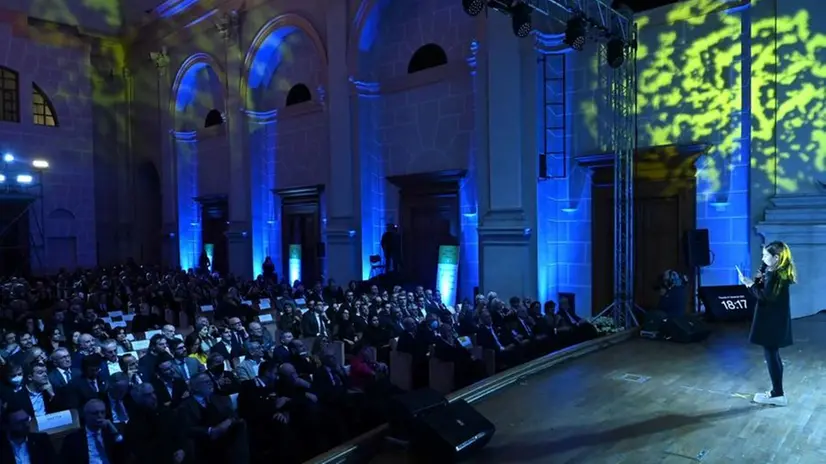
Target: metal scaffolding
{"points": [[619, 85], [25, 203]]}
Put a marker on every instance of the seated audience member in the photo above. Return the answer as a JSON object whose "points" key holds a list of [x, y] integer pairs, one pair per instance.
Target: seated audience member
{"points": [[22, 446], [168, 331], [117, 399], [154, 435], [258, 334], [123, 343], [267, 415], [170, 389], [86, 347], [577, 329], [218, 434], [129, 365], [185, 365], [301, 359], [38, 396], [111, 363], [345, 331], [157, 345], [281, 353], [25, 345], [489, 338], [466, 369], [63, 372], [99, 441], [248, 368], [224, 381], [88, 385], [365, 370], [304, 408], [55, 340], [225, 346], [195, 348], [13, 381]]}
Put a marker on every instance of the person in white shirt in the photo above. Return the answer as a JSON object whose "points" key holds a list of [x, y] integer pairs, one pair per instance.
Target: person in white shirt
{"points": [[99, 442]]}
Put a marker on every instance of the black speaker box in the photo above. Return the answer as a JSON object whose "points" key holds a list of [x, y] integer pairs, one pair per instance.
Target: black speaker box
{"points": [[451, 433], [696, 246], [405, 409], [685, 329]]}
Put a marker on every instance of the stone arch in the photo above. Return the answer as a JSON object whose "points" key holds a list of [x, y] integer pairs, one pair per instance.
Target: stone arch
{"points": [[261, 59], [364, 33], [427, 56], [61, 214], [200, 74]]}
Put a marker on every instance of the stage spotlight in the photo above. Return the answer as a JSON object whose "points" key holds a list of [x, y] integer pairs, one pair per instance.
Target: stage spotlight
{"points": [[40, 164], [615, 53], [521, 17], [2, 178], [473, 7], [575, 33], [25, 179], [8, 158]]}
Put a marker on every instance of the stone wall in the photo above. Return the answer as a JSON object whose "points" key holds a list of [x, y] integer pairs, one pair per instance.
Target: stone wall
{"points": [[60, 67]]}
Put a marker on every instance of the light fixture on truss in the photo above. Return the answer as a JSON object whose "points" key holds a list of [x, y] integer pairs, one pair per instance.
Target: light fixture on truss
{"points": [[519, 12]]}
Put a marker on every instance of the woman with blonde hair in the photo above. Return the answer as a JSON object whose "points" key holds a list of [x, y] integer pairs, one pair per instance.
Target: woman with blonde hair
{"points": [[771, 327]]}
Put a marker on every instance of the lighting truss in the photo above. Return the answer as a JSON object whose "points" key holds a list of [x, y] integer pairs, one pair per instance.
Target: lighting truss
{"points": [[597, 12], [621, 94]]}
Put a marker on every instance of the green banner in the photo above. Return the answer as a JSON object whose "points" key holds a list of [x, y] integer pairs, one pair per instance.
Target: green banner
{"points": [[209, 249], [449, 255], [295, 251]]}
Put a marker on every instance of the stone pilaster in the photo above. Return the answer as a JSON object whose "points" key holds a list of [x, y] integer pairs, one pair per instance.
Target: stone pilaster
{"points": [[506, 168], [169, 197], [240, 240], [129, 247], [342, 245]]}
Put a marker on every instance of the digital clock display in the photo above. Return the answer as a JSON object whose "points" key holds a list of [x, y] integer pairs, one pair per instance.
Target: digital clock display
{"points": [[727, 302]]}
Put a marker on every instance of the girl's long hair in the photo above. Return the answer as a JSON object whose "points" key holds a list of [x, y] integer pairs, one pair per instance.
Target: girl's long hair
{"points": [[785, 269]]}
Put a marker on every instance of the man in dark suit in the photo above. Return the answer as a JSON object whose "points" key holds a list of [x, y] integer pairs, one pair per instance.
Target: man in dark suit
{"points": [[313, 323], [38, 397], [212, 423], [170, 389], [87, 347], [109, 362], [489, 338], [267, 415], [225, 348], [281, 353], [20, 443], [88, 385], [98, 441], [117, 400], [153, 434], [157, 345], [63, 372]]}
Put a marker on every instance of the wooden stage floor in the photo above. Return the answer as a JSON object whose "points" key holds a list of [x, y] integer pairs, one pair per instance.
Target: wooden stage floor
{"points": [[645, 402]]}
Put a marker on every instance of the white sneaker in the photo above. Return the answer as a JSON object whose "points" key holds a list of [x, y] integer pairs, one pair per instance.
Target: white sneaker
{"points": [[768, 399]]}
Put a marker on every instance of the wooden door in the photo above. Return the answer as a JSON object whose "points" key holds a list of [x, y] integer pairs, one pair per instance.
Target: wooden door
{"points": [[301, 226], [429, 218], [214, 217], [664, 209]]}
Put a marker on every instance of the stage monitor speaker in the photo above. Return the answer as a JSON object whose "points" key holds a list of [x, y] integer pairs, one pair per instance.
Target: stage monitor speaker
{"points": [[405, 409], [697, 251], [685, 329], [451, 433]]}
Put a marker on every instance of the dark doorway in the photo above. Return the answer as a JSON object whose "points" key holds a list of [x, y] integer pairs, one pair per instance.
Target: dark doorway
{"points": [[301, 226], [149, 212], [214, 217], [15, 252], [665, 207], [428, 219]]}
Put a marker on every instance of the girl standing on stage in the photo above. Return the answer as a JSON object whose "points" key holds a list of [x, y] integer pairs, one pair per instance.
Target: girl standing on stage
{"points": [[772, 324]]}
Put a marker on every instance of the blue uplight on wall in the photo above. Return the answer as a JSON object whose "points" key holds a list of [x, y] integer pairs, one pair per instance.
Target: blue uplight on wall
{"points": [[295, 263], [264, 205], [447, 273], [189, 217]]}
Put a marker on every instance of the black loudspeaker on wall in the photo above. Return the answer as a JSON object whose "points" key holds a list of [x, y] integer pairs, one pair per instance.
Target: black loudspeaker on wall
{"points": [[441, 431], [697, 251]]}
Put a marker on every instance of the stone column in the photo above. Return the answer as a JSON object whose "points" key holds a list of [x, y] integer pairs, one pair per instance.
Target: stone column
{"points": [[507, 161], [238, 235], [169, 197], [342, 245], [128, 238]]}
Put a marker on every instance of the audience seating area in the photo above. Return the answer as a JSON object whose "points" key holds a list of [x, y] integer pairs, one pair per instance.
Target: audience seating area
{"points": [[138, 364]]}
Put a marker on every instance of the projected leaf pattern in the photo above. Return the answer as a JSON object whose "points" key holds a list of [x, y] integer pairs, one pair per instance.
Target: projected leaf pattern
{"points": [[690, 81]]}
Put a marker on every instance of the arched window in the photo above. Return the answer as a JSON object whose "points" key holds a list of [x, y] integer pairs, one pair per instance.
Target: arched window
{"points": [[42, 109], [300, 93], [426, 57], [9, 95], [213, 118]]}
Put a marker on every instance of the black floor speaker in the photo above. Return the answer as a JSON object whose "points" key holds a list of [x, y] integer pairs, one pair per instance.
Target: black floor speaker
{"points": [[685, 329], [451, 433], [405, 409]]}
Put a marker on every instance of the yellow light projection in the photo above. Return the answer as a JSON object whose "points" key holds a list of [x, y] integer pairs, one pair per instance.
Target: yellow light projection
{"points": [[690, 84]]}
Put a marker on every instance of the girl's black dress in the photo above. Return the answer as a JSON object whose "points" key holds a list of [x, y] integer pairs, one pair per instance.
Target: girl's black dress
{"points": [[772, 323]]}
